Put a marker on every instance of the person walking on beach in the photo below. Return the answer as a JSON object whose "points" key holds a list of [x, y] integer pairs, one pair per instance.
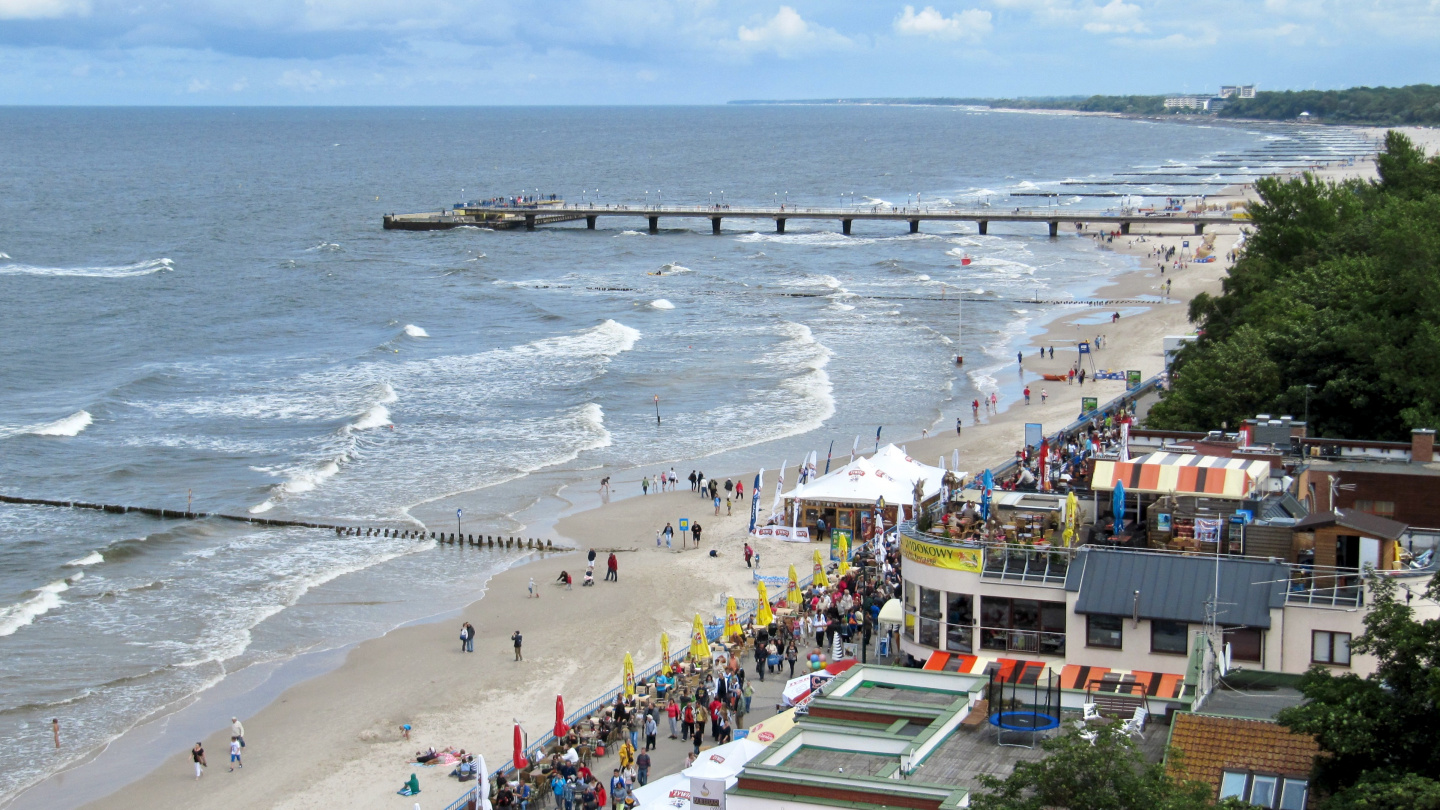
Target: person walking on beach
{"points": [[534, 594], [237, 730], [717, 506], [749, 552], [1044, 395], [612, 568], [1027, 395], [198, 755], [235, 754], [669, 533], [1019, 358], [695, 533], [645, 485], [729, 487], [739, 490], [957, 426], [517, 638], [693, 480], [994, 402]]}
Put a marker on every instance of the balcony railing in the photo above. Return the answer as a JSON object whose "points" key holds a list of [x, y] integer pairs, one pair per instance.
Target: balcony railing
{"points": [[1022, 641]]}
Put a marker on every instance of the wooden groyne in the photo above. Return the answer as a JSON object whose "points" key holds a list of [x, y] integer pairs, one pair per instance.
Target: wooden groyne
{"points": [[453, 538]]}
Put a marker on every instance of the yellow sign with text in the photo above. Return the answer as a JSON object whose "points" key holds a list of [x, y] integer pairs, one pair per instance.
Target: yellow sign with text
{"points": [[958, 559]]}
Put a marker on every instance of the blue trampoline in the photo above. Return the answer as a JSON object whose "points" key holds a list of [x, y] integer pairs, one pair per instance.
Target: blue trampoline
{"points": [[1024, 702]]}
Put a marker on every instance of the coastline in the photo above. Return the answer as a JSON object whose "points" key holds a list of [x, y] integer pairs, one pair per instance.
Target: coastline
{"points": [[313, 739], [333, 735]]}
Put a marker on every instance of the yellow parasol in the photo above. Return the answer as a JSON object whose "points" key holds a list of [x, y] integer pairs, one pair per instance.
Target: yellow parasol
{"points": [[792, 595], [844, 549], [772, 728], [665, 654], [629, 676], [763, 616], [699, 647], [819, 578], [1072, 515], [732, 619]]}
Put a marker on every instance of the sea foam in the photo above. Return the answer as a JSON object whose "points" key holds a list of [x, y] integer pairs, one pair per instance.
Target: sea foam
{"points": [[144, 268], [45, 599], [414, 331]]}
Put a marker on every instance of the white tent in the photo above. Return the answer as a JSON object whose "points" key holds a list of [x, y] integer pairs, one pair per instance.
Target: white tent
{"points": [[672, 791], [725, 760], [893, 461], [857, 482]]}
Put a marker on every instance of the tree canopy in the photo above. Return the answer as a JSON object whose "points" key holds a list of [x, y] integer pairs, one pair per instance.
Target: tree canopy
{"points": [[1378, 735], [1076, 775], [1336, 293], [1412, 104]]}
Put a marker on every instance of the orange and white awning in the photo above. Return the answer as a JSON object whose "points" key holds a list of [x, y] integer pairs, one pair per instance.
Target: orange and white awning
{"points": [[1183, 474]]}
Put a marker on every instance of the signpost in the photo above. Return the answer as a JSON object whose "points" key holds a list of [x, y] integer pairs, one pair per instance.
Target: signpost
{"points": [[1089, 405], [1132, 379], [684, 525]]}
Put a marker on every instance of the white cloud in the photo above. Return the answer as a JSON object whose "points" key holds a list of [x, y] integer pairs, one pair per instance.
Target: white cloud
{"points": [[239, 85], [972, 23], [311, 81], [197, 86], [1115, 17], [788, 35], [42, 9]]}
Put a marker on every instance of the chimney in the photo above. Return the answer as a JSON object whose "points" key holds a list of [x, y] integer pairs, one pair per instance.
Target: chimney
{"points": [[1422, 445]]}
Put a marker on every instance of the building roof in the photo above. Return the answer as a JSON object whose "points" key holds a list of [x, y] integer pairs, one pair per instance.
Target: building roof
{"points": [[1363, 522], [1183, 474], [1176, 587], [1208, 745]]}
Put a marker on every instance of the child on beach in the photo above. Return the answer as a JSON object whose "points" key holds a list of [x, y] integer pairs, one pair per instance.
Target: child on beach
{"points": [[235, 754]]}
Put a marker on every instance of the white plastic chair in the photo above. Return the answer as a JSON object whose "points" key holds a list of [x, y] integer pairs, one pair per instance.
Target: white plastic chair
{"points": [[1135, 726], [1082, 731], [1092, 712]]}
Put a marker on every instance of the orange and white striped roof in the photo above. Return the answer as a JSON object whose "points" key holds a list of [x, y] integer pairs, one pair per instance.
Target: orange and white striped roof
{"points": [[1183, 474]]}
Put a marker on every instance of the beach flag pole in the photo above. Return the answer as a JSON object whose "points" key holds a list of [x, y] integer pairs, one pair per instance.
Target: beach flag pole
{"points": [[657, 409], [828, 454], [877, 437]]}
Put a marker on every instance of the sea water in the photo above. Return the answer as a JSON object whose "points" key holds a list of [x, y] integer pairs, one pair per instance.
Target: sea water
{"points": [[201, 311]]}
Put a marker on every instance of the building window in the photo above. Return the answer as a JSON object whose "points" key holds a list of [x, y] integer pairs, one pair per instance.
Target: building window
{"points": [[959, 618], [1330, 648], [1169, 637], [1022, 625], [1381, 508], [929, 617], [1245, 643], [912, 602], [1104, 631], [1265, 790]]}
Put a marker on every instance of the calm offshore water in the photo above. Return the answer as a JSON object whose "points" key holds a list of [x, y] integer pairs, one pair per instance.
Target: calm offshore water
{"points": [[202, 304]]}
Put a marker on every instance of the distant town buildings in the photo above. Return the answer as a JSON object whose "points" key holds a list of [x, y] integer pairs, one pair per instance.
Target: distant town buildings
{"points": [[1207, 102]]}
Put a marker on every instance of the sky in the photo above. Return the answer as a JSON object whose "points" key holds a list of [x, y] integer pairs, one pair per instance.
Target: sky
{"points": [[567, 52]]}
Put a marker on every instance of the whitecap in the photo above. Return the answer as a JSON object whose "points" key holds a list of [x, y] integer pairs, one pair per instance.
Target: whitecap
{"points": [[45, 599], [661, 303], [89, 559], [414, 331], [144, 268], [631, 233], [668, 269], [69, 426]]}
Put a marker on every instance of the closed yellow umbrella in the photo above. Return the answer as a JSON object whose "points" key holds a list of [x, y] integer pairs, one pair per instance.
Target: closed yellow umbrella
{"points": [[819, 577], [763, 616], [844, 550], [665, 654], [699, 647], [732, 619], [1072, 516], [792, 595], [629, 676]]}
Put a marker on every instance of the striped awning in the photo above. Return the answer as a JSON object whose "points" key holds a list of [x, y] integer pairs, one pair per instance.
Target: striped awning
{"points": [[1183, 474]]}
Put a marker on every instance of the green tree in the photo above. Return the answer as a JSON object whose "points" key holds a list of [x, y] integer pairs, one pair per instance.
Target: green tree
{"points": [[1335, 300], [1075, 775], [1378, 734]]}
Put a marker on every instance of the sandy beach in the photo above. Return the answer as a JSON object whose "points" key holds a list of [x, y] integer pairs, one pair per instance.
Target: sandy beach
{"points": [[333, 740]]}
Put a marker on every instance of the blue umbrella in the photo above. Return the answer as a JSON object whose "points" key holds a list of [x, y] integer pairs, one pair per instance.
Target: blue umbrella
{"points": [[987, 487], [1117, 505]]}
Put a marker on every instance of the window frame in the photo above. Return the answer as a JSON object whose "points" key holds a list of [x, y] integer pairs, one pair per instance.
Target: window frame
{"points": [[1090, 631], [1329, 660], [1185, 633], [1279, 785]]}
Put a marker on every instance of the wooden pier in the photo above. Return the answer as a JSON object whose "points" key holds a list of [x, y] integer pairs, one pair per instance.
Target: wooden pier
{"points": [[532, 217]]}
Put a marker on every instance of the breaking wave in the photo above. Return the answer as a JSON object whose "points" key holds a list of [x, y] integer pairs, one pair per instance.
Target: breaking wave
{"points": [[144, 268]]}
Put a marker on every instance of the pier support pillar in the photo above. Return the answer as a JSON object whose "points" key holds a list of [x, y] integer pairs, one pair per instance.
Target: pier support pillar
{"points": [[914, 226], [529, 222], [845, 226], [779, 225], [715, 225], [654, 224], [1199, 228], [1125, 228], [590, 222], [984, 226], [1054, 228]]}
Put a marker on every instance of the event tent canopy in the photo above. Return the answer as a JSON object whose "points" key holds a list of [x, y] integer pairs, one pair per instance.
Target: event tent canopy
{"points": [[860, 482], [894, 462], [1183, 474]]}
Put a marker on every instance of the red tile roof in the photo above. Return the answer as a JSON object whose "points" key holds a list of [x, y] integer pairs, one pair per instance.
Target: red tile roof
{"points": [[1203, 745]]}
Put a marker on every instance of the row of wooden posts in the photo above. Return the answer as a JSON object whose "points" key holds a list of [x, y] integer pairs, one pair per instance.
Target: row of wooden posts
{"points": [[453, 538]]}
